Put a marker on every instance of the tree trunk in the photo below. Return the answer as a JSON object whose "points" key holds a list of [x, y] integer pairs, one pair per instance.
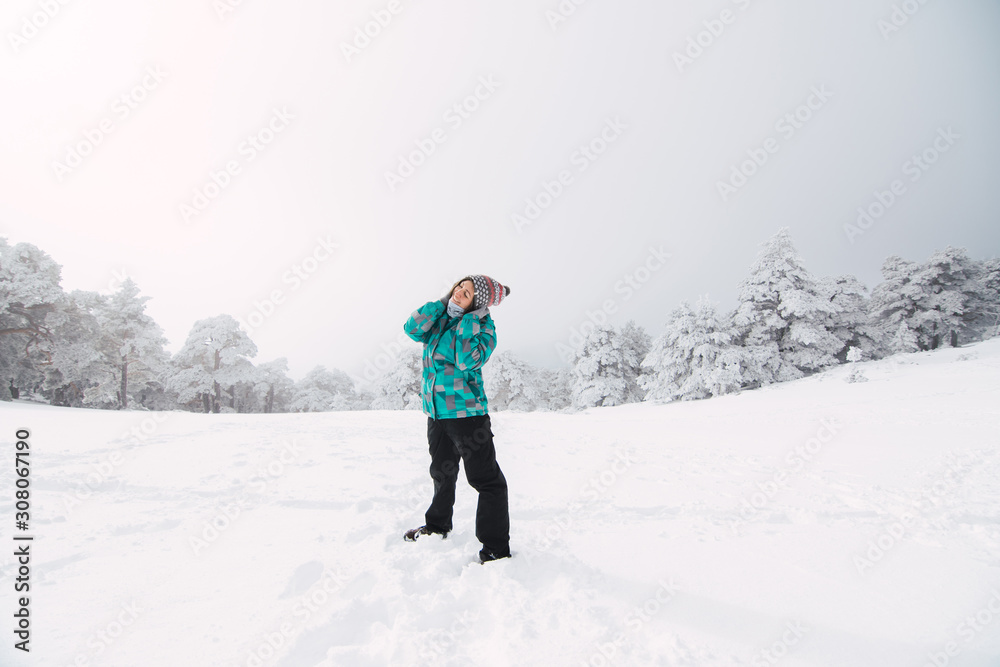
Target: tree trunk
{"points": [[124, 389], [215, 401]]}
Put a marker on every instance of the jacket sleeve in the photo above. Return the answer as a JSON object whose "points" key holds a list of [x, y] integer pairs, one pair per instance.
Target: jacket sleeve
{"points": [[475, 340], [418, 326]]}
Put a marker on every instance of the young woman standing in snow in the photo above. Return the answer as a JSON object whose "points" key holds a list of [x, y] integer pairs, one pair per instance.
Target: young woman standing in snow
{"points": [[458, 336]]}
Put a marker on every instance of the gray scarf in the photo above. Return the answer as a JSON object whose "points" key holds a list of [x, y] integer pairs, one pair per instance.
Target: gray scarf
{"points": [[455, 310]]}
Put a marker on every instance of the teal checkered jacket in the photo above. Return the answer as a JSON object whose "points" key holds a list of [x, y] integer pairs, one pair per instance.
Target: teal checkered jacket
{"points": [[455, 349]]}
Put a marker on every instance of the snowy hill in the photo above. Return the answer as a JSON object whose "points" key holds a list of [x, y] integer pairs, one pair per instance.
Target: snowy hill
{"points": [[816, 522]]}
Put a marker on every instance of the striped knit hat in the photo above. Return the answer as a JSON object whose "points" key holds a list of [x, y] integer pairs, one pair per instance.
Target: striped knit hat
{"points": [[489, 292]]}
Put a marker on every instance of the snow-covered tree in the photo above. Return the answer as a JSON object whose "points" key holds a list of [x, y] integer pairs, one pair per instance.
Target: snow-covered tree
{"points": [[213, 357], [76, 360], [29, 291], [949, 280], [694, 358], [893, 304], [849, 320], [275, 390], [510, 383], [987, 303], [782, 316], [938, 302], [131, 345], [554, 388], [854, 355], [607, 365], [242, 394], [323, 391], [399, 387]]}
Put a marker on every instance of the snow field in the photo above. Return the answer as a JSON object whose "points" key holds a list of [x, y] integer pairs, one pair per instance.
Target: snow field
{"points": [[816, 522]]}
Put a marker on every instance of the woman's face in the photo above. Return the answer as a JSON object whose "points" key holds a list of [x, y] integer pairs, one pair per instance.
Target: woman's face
{"points": [[463, 293]]}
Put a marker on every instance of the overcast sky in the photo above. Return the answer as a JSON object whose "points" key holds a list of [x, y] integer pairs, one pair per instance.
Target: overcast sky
{"points": [[619, 120]]}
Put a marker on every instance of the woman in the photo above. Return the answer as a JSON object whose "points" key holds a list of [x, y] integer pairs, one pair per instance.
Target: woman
{"points": [[458, 336]]}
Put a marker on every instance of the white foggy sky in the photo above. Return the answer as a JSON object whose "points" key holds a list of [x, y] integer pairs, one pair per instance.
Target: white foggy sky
{"points": [[323, 175]]}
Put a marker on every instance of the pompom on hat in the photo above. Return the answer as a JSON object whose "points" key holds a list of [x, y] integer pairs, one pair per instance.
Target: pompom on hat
{"points": [[488, 292]]}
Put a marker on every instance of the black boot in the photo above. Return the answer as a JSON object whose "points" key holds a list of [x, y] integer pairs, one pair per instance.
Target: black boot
{"points": [[412, 534], [486, 555]]}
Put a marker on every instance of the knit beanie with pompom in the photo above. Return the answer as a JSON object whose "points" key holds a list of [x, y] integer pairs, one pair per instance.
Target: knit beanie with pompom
{"points": [[489, 292]]}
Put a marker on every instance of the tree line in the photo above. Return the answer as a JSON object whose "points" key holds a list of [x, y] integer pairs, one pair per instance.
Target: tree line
{"points": [[84, 349]]}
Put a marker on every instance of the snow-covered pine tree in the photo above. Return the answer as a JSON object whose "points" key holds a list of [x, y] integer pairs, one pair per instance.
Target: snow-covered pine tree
{"points": [[399, 387], [510, 383], [554, 388], [76, 358], [938, 301], [131, 346], [903, 340], [323, 390], [693, 358], [209, 361], [849, 320], [782, 315], [892, 305], [854, 355], [29, 291], [275, 390], [951, 284], [987, 303], [607, 364], [243, 392]]}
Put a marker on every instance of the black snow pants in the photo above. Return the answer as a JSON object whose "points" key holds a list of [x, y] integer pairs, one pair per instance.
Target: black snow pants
{"points": [[471, 440]]}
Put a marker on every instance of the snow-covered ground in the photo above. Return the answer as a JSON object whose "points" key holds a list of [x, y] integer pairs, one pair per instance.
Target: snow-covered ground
{"points": [[817, 522]]}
